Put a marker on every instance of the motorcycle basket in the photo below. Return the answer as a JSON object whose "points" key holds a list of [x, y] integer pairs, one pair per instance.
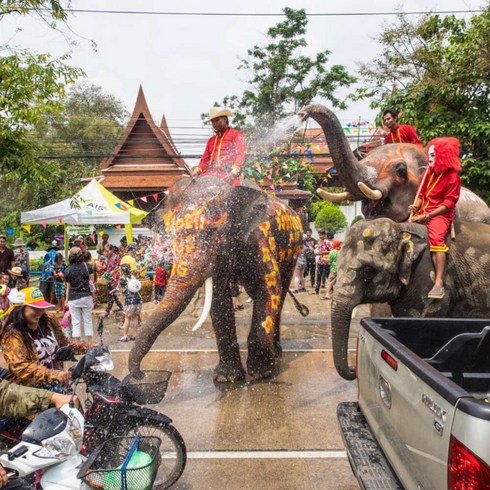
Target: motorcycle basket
{"points": [[105, 468], [145, 387]]}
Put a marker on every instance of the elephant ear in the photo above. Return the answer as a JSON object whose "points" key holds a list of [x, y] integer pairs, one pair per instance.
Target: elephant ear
{"points": [[411, 247], [249, 207]]}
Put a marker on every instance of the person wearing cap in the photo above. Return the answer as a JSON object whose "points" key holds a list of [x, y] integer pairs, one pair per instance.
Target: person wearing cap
{"points": [[224, 154], [80, 243], [30, 340], [16, 278], [7, 257], [22, 258]]}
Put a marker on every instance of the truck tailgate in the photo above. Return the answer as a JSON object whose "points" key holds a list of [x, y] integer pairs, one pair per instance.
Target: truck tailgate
{"points": [[407, 416]]}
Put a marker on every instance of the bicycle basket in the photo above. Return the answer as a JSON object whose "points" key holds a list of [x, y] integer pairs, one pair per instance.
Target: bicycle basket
{"points": [[103, 470], [145, 387]]}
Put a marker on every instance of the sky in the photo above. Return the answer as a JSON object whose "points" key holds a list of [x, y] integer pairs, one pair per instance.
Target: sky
{"points": [[186, 63]]}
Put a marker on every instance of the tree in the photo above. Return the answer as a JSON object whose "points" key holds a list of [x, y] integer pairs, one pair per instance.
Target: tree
{"points": [[75, 139], [31, 84], [329, 217], [282, 79], [437, 70]]}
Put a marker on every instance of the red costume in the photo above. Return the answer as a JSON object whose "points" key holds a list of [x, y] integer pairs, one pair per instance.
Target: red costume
{"points": [[441, 187], [224, 154], [403, 133]]}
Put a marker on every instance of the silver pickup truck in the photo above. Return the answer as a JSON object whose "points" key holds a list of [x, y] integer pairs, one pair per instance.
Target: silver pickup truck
{"points": [[422, 419]]}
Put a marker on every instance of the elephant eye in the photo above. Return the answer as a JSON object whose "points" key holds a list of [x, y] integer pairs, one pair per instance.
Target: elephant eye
{"points": [[401, 170]]}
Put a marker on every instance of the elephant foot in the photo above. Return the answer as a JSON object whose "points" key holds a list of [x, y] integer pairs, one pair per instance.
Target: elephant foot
{"points": [[227, 374], [262, 366]]}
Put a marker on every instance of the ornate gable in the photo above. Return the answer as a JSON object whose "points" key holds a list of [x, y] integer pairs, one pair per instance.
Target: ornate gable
{"points": [[145, 159]]}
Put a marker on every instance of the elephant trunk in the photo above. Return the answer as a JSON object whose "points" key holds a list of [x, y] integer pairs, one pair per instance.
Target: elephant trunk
{"points": [[350, 171], [176, 299], [341, 317]]}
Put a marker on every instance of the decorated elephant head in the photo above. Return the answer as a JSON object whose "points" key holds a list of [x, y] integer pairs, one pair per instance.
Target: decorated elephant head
{"points": [[375, 264], [386, 180], [220, 231]]}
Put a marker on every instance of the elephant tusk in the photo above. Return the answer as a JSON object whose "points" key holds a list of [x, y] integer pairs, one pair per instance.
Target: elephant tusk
{"points": [[373, 194], [208, 298], [334, 197]]}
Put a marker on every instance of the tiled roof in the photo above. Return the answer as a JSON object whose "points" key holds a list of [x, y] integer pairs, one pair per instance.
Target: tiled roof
{"points": [[145, 157]]}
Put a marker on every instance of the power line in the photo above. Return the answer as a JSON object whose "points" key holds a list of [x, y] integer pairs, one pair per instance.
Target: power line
{"points": [[246, 14]]}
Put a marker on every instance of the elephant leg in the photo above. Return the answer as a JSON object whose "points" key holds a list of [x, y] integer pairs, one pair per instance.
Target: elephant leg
{"points": [[229, 369], [264, 339]]}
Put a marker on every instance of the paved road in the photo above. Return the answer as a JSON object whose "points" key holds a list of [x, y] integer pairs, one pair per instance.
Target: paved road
{"points": [[281, 434]]}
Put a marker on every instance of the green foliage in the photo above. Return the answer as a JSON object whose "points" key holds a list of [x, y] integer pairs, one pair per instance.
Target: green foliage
{"points": [[278, 171], [329, 217], [32, 85], [282, 79], [356, 219], [437, 70], [88, 127], [55, 11]]}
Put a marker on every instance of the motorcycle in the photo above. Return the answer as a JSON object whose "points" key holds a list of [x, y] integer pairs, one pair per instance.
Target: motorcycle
{"points": [[115, 408], [51, 445]]}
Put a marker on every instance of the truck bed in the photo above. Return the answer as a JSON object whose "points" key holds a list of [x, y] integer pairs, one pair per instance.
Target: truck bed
{"points": [[458, 349]]}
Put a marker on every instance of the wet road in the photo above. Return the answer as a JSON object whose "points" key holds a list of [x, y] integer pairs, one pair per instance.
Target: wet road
{"points": [[282, 434]]}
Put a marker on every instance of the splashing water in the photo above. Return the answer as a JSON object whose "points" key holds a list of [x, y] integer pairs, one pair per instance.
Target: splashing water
{"points": [[270, 139]]}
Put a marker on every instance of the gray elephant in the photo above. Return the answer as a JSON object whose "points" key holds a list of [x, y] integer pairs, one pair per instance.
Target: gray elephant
{"points": [[230, 235], [386, 180], [386, 262]]}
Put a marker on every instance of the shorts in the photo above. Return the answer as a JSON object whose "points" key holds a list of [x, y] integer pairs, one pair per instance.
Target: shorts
{"points": [[132, 310], [437, 229], [59, 289]]}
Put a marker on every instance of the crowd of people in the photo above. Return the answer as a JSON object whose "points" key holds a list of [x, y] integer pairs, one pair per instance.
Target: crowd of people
{"points": [[318, 262], [73, 285]]}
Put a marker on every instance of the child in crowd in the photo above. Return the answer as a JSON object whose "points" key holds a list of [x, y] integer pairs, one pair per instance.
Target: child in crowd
{"points": [[132, 307], [161, 278], [58, 269], [332, 277], [66, 322]]}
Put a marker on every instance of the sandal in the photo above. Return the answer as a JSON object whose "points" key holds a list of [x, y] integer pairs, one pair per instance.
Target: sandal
{"points": [[437, 292], [124, 339], [132, 337]]}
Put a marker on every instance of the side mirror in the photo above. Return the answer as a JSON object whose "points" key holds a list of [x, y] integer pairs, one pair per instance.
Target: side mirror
{"points": [[65, 353], [78, 369]]}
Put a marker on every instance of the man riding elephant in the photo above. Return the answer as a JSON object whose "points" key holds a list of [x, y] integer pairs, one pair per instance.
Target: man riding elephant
{"points": [[225, 151]]}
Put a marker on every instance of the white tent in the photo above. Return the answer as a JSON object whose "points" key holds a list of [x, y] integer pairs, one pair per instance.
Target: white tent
{"points": [[93, 204]]}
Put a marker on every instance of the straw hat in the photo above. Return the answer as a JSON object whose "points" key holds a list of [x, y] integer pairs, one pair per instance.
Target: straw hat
{"points": [[216, 112], [16, 271], [19, 243]]}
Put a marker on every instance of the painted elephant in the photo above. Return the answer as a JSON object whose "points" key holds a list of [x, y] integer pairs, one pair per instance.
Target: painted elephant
{"points": [[230, 234], [386, 262], [386, 180]]}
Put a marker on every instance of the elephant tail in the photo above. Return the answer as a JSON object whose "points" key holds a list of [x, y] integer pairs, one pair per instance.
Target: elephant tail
{"points": [[303, 309]]}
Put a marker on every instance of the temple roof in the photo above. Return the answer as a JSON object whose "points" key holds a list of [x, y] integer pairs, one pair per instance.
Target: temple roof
{"points": [[145, 158]]}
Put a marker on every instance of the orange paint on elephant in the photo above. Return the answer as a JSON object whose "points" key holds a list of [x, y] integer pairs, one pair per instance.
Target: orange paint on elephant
{"points": [[266, 254], [181, 269], [271, 279], [265, 227], [268, 325], [272, 243], [275, 301]]}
